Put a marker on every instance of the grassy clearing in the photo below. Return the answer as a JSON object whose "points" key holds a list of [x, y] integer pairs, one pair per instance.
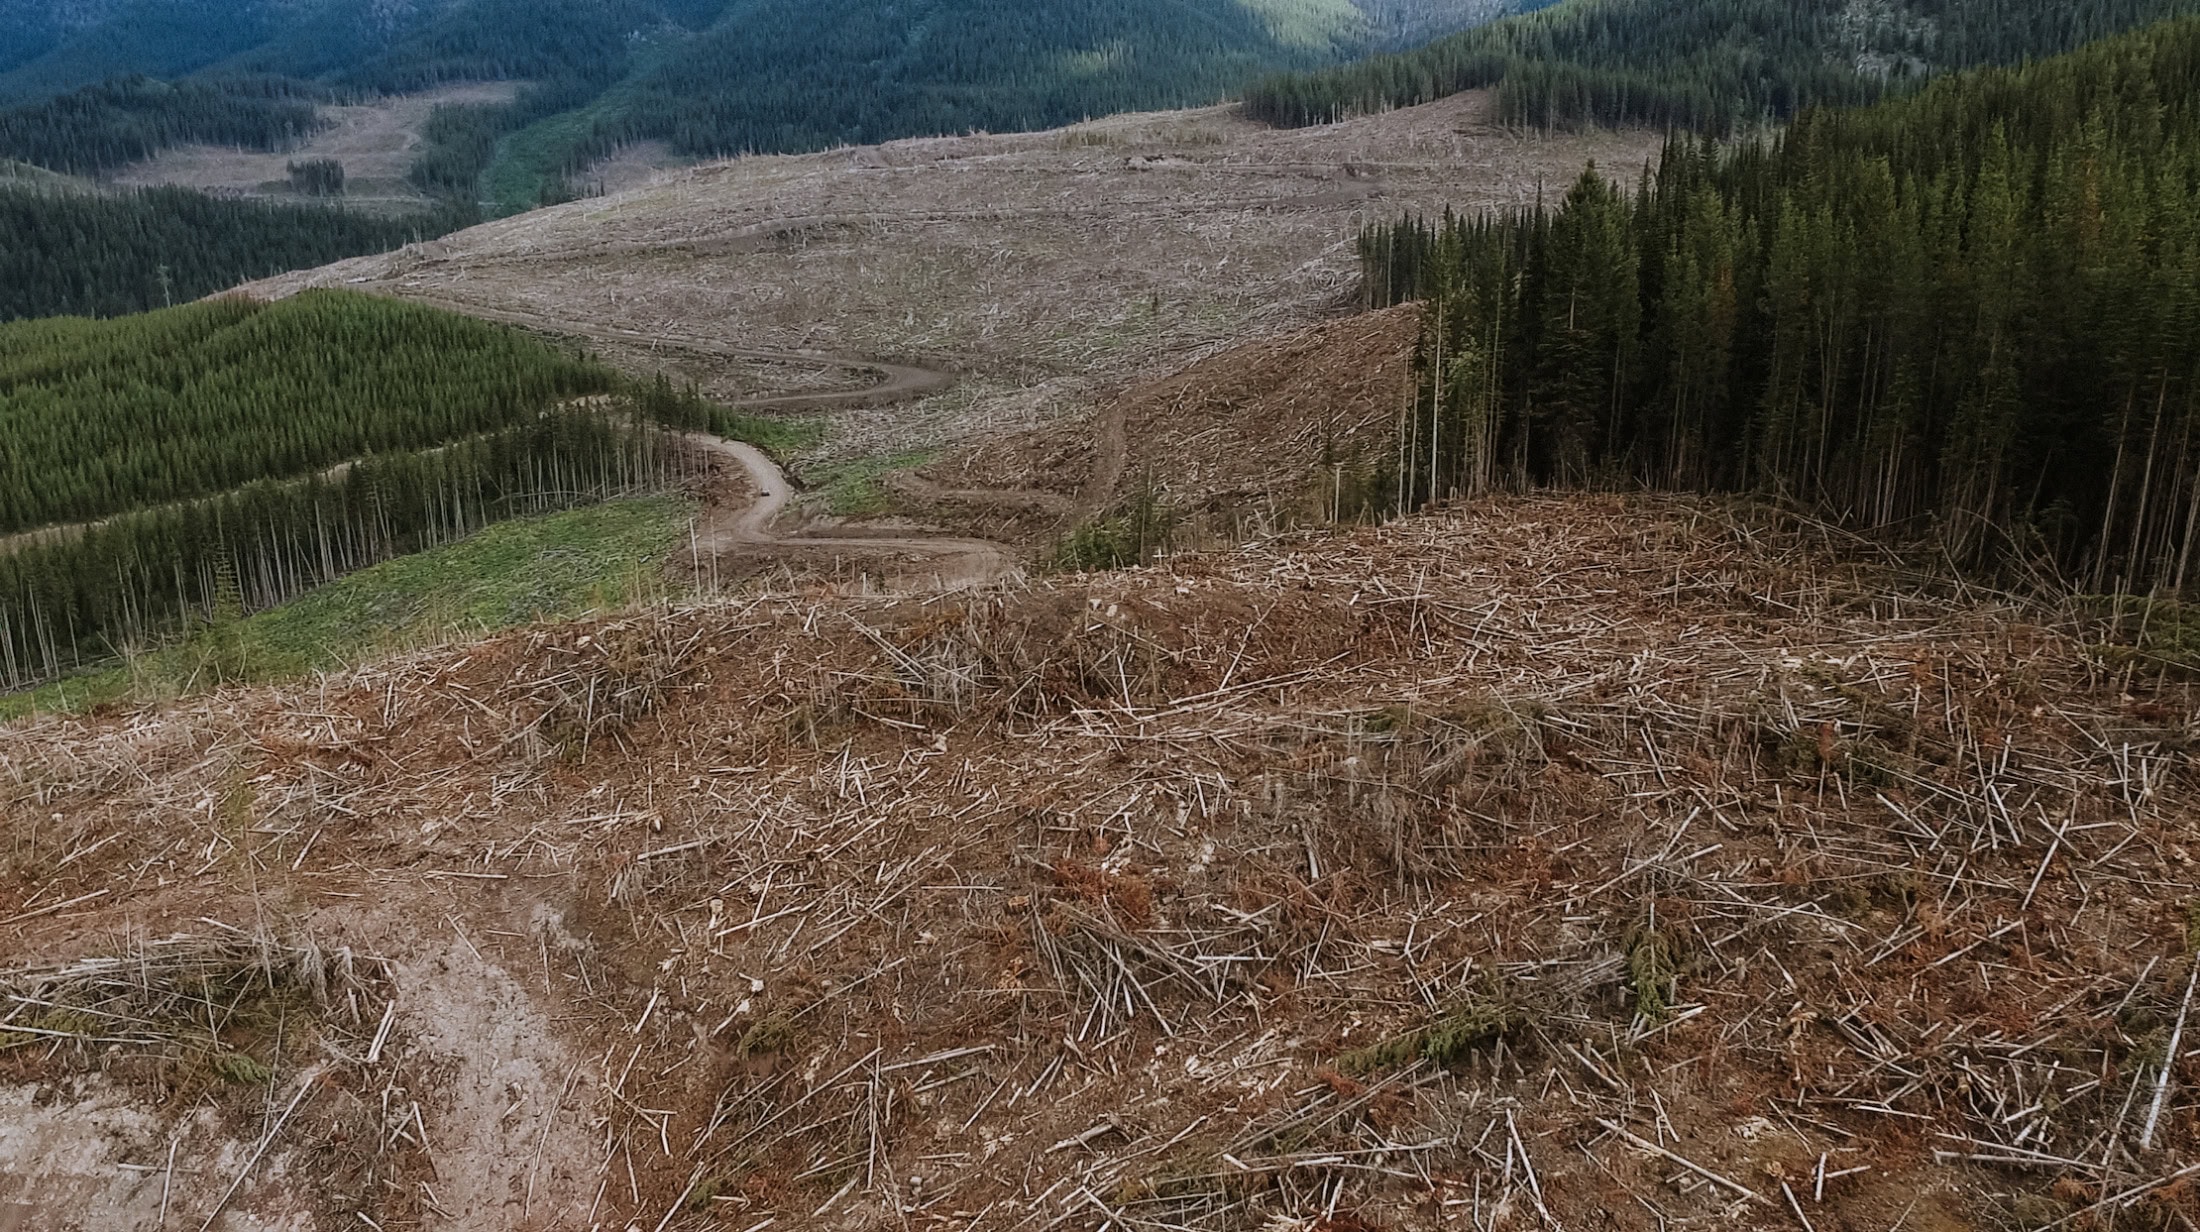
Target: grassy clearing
{"points": [[781, 438], [561, 564], [529, 170], [853, 490]]}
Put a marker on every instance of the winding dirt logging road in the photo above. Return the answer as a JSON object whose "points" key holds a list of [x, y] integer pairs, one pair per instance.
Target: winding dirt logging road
{"points": [[748, 531], [736, 530]]}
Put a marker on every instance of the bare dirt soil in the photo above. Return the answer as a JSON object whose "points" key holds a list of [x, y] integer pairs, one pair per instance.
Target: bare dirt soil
{"points": [[376, 142], [1584, 862], [1268, 433], [740, 530]]}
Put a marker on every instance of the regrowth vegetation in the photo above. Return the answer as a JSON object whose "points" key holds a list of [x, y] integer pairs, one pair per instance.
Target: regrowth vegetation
{"points": [[104, 417], [1976, 310], [561, 564], [163, 469]]}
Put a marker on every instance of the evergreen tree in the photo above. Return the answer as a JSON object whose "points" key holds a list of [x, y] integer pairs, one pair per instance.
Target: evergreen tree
{"points": [[155, 467], [1975, 308], [1707, 65]]}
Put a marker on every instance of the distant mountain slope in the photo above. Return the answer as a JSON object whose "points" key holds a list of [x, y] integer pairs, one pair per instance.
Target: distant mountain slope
{"points": [[705, 76], [101, 127], [48, 48], [802, 74], [1707, 64], [53, 46]]}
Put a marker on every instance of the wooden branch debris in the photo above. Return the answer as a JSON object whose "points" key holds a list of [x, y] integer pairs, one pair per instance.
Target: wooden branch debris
{"points": [[1350, 874]]}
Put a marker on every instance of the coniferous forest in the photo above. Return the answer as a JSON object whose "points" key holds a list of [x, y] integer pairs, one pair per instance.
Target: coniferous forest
{"points": [[155, 467], [66, 252], [105, 126], [1707, 65], [1973, 312]]}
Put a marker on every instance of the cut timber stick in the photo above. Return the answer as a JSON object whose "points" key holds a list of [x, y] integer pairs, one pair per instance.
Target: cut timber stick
{"points": [[45, 911], [2169, 1061], [1797, 1207], [306, 1083], [382, 1032], [1698, 1169]]}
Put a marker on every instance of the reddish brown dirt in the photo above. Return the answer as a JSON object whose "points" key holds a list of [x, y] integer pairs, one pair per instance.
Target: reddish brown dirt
{"points": [[1435, 876], [1271, 430], [744, 526], [1549, 862]]}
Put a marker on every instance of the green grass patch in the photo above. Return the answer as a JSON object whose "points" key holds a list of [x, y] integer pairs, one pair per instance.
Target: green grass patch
{"points": [[686, 407], [853, 490], [513, 573], [2151, 635], [1132, 533], [781, 438]]}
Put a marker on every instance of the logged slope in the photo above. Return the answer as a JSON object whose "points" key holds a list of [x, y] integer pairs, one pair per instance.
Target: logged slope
{"points": [[1272, 432], [1034, 264], [1473, 872]]}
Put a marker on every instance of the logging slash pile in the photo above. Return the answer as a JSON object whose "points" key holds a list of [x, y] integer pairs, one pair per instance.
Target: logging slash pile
{"points": [[1585, 862]]}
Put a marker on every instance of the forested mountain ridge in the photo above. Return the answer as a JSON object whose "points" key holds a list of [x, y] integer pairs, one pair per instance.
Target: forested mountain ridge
{"points": [[48, 47], [1974, 311], [708, 76], [105, 126], [1708, 65]]}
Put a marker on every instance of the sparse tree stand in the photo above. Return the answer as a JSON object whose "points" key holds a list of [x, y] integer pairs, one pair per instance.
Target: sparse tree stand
{"points": [[317, 177]]}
